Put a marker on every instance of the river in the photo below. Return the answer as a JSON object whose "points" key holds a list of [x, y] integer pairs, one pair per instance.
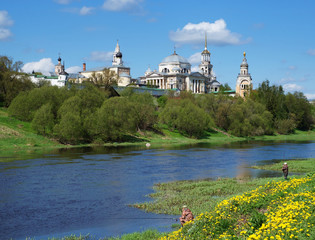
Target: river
{"points": [[87, 190]]}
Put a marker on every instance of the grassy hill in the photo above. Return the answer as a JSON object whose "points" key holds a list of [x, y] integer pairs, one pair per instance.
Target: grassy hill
{"points": [[17, 136]]}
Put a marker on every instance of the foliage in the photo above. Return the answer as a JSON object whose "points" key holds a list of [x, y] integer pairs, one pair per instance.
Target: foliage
{"points": [[113, 120], [12, 82], [185, 116], [143, 110], [105, 79], [225, 87], [278, 210], [24, 106], [75, 116], [285, 126], [248, 118], [43, 121], [273, 98]]}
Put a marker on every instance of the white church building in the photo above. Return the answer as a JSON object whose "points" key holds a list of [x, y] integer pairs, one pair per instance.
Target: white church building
{"points": [[175, 73]]}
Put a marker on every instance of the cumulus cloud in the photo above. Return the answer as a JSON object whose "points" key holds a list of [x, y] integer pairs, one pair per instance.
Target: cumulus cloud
{"points": [[291, 87], [195, 58], [217, 34], [121, 5], [5, 22], [45, 65], [86, 10], [310, 96], [98, 56], [311, 52], [74, 69]]}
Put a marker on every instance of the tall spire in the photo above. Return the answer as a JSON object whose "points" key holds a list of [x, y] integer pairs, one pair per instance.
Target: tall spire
{"points": [[117, 49], [206, 40]]}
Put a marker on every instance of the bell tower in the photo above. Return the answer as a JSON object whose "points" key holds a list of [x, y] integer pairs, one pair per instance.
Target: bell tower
{"points": [[244, 82], [205, 67]]}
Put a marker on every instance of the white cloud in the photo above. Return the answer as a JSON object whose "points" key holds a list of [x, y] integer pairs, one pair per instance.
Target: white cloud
{"points": [[121, 5], [291, 87], [311, 52], [5, 34], [99, 56], [195, 58], [5, 21], [217, 34], [86, 10], [74, 69], [45, 65], [310, 96]]}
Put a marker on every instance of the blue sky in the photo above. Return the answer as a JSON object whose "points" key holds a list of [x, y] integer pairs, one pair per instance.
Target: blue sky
{"points": [[278, 36]]}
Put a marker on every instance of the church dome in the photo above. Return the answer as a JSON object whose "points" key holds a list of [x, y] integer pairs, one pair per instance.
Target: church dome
{"points": [[119, 54], [174, 58], [244, 63]]}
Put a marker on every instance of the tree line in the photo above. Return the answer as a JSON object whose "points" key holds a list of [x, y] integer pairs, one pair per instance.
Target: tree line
{"points": [[87, 114]]}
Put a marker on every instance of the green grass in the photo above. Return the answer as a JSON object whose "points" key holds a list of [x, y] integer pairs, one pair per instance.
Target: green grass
{"points": [[198, 195], [277, 210], [18, 138], [301, 165]]}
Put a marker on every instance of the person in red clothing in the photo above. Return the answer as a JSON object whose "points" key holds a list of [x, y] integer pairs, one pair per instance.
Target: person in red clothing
{"points": [[186, 215], [285, 170]]}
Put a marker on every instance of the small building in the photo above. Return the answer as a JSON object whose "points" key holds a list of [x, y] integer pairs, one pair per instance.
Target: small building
{"points": [[118, 67]]}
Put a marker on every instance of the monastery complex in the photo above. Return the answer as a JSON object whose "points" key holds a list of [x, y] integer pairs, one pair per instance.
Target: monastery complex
{"points": [[174, 72]]}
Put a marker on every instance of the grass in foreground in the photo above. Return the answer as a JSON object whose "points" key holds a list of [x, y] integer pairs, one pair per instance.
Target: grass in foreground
{"points": [[278, 210], [198, 195]]}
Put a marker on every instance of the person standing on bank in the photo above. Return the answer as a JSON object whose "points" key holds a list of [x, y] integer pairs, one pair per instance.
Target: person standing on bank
{"points": [[186, 215], [285, 170]]}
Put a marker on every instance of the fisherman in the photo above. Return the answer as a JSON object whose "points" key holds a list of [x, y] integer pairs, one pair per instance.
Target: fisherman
{"points": [[186, 215], [285, 170]]}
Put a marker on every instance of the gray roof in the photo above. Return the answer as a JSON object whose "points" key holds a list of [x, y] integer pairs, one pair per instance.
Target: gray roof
{"points": [[175, 58]]}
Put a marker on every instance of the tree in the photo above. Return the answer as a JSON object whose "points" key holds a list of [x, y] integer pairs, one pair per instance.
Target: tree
{"points": [[225, 87], [273, 98], [185, 116], [300, 110], [105, 79], [143, 110], [113, 120], [43, 121], [12, 82]]}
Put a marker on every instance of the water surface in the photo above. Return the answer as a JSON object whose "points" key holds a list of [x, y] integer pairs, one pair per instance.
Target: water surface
{"points": [[87, 190]]}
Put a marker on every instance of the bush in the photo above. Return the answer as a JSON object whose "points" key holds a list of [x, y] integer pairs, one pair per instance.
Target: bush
{"points": [[186, 117]]}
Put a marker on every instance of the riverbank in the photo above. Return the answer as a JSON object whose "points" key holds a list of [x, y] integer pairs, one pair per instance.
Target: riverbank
{"points": [[238, 208], [17, 138]]}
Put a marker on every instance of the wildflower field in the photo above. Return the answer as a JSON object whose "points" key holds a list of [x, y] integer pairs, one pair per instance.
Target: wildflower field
{"points": [[278, 210]]}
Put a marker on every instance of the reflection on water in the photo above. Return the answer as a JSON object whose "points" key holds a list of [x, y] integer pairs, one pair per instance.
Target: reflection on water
{"points": [[87, 190]]}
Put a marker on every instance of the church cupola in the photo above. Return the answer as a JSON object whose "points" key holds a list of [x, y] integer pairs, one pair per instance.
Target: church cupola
{"points": [[117, 56], [244, 65]]}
